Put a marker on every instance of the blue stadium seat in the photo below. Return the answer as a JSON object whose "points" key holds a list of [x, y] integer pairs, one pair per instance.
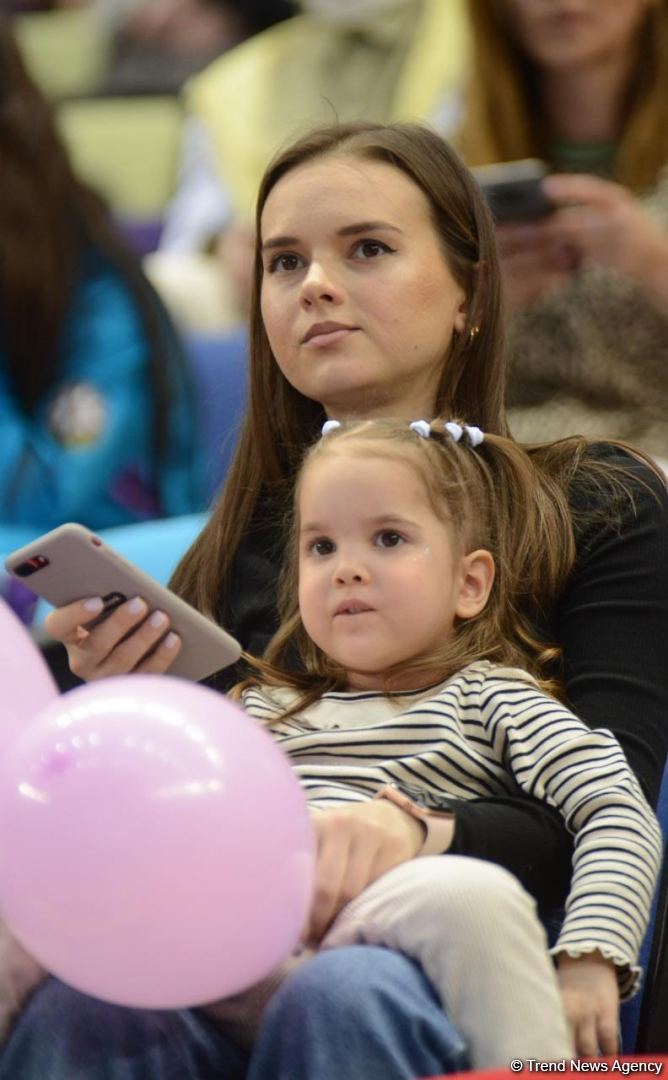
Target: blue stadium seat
{"points": [[219, 367]]}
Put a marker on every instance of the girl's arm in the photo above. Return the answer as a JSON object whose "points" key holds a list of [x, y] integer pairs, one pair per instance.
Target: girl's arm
{"points": [[611, 624], [618, 845], [617, 854]]}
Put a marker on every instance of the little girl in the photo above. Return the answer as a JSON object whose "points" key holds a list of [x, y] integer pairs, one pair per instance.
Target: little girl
{"points": [[413, 548]]}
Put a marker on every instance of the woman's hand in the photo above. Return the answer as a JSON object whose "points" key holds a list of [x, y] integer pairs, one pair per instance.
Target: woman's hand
{"points": [[356, 845], [534, 263], [593, 220], [130, 639], [590, 995], [608, 225]]}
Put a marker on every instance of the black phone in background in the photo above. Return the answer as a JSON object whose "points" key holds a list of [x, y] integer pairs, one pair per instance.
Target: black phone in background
{"points": [[513, 191]]}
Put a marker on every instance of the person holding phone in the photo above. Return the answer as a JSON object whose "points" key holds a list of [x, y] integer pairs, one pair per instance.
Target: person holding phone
{"points": [[377, 293], [584, 87]]}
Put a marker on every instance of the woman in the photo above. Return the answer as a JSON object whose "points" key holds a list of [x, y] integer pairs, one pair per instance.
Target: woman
{"points": [[96, 420], [585, 88], [377, 293]]}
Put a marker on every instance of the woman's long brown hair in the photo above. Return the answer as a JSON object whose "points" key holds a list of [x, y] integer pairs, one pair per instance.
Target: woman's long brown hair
{"points": [[502, 115]]}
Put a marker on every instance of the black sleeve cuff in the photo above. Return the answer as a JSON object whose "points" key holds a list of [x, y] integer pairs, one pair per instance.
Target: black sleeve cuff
{"points": [[526, 837]]}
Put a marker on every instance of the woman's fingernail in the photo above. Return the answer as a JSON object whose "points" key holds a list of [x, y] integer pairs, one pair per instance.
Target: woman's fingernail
{"points": [[171, 641], [95, 603], [136, 606], [158, 618]]}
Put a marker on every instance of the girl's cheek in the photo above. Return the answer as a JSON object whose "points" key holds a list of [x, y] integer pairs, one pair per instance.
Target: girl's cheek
{"points": [[421, 554]]}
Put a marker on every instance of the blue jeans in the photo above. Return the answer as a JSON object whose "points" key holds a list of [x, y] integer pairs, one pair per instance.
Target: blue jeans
{"points": [[361, 1011]]}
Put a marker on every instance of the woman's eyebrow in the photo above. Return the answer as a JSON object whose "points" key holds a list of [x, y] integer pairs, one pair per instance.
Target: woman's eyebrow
{"points": [[280, 241], [346, 230], [366, 226]]}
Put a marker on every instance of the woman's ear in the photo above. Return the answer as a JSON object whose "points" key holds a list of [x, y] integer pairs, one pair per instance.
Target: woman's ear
{"points": [[477, 578], [461, 315]]}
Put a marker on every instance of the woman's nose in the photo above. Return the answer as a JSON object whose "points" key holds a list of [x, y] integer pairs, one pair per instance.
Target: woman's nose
{"points": [[319, 286]]}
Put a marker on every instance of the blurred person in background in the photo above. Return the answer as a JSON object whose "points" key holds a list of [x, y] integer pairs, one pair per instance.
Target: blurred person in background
{"points": [[158, 44], [96, 419], [17, 7], [338, 59], [584, 86]]}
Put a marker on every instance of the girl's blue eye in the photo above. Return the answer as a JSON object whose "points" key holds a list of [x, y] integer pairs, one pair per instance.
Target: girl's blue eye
{"points": [[389, 539]]}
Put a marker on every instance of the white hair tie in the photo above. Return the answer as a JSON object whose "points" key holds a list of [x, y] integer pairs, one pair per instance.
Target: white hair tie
{"points": [[421, 428], [329, 426], [454, 430], [474, 434]]}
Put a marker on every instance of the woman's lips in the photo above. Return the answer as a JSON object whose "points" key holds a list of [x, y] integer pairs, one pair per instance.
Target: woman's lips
{"points": [[329, 337]]}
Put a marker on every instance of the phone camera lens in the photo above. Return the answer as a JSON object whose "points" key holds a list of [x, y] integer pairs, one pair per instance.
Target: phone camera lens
{"points": [[31, 566]]}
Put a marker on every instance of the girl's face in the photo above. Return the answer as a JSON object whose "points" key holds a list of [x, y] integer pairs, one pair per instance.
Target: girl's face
{"points": [[380, 578], [566, 33], [358, 301]]}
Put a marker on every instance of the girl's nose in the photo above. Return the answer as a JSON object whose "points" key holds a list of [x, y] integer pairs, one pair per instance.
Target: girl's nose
{"points": [[350, 572]]}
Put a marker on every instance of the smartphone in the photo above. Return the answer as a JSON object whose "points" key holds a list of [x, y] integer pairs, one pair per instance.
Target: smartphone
{"points": [[70, 563], [513, 189]]}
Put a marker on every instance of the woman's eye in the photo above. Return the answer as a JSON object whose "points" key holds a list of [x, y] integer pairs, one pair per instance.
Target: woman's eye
{"points": [[284, 264], [389, 539], [321, 547], [371, 249]]}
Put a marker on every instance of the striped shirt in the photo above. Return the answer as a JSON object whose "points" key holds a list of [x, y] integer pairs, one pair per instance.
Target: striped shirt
{"points": [[490, 731]]}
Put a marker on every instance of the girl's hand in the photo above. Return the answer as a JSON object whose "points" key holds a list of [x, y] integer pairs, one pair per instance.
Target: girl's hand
{"points": [[590, 995], [356, 845], [130, 639]]}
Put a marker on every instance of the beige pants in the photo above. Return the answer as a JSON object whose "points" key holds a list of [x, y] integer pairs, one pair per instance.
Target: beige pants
{"points": [[474, 931]]}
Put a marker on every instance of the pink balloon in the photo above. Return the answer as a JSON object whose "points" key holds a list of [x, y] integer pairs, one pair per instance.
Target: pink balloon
{"points": [[155, 846], [26, 684]]}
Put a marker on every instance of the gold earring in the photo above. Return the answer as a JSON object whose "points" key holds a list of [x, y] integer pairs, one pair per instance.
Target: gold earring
{"points": [[473, 333]]}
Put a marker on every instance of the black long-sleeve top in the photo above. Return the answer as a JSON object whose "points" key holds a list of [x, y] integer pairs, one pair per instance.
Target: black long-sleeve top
{"points": [[612, 625]]}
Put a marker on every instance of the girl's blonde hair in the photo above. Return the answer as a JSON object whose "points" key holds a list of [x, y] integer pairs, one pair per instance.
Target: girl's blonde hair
{"points": [[503, 120], [492, 497]]}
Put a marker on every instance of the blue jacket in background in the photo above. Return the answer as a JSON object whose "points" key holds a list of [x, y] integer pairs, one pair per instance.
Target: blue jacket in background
{"points": [[86, 454]]}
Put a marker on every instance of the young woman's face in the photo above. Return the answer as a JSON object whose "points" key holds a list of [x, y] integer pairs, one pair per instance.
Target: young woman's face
{"points": [[380, 579], [565, 33], [358, 301]]}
